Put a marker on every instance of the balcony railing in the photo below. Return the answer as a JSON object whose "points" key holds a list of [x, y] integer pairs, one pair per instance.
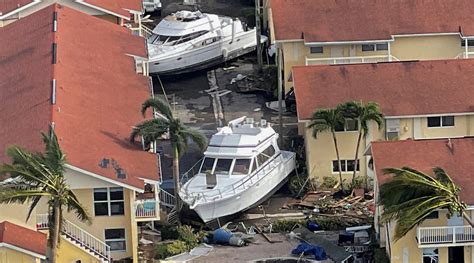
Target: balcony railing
{"points": [[445, 235], [146, 208], [349, 60], [465, 55]]}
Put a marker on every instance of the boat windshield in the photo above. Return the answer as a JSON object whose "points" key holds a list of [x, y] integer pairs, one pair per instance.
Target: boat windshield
{"points": [[241, 167], [223, 166], [207, 164], [175, 40]]}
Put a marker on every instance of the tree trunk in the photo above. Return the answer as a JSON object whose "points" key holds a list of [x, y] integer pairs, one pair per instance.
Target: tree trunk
{"points": [[56, 234], [468, 218], [338, 159], [356, 159], [176, 179]]}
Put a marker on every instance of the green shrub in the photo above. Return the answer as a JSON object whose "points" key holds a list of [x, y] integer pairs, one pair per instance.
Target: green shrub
{"points": [[329, 182], [177, 247], [161, 251], [284, 225], [190, 239], [169, 233], [380, 255], [359, 182]]}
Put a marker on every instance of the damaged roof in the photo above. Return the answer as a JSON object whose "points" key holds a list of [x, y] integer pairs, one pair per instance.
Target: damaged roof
{"points": [[97, 92], [349, 20], [24, 238]]}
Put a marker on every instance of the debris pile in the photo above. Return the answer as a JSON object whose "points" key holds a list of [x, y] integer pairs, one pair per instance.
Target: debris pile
{"points": [[355, 209]]}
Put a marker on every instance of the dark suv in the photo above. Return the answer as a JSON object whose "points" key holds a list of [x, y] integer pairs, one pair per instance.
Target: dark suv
{"points": [[290, 101]]}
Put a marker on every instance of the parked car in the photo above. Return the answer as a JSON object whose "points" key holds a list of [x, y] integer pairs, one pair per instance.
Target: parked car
{"points": [[151, 6], [290, 101]]}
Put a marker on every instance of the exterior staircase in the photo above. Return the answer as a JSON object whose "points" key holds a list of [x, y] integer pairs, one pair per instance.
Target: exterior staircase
{"points": [[167, 205], [80, 238]]}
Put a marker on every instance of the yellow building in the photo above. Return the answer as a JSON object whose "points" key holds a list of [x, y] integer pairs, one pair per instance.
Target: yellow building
{"points": [[419, 100], [438, 238], [314, 32], [77, 75], [20, 244]]}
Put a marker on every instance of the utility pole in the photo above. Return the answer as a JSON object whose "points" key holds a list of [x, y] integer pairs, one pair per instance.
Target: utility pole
{"points": [[258, 29], [280, 96]]}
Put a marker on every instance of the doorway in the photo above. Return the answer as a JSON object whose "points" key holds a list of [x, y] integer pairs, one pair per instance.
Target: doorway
{"points": [[456, 255]]}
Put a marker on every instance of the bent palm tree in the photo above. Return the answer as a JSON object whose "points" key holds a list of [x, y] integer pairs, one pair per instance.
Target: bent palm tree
{"points": [[164, 122], [364, 114], [328, 120], [36, 176], [410, 196]]}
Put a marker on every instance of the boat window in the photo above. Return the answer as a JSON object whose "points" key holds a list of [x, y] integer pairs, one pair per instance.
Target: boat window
{"points": [[223, 166], [266, 154], [241, 166], [207, 164], [189, 37]]}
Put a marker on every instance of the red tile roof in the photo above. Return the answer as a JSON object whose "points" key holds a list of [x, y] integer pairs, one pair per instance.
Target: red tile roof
{"points": [[22, 237], [401, 88], [98, 94], [424, 155], [7, 6], [117, 6], [349, 20]]}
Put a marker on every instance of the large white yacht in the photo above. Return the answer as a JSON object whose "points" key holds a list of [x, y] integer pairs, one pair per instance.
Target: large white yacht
{"points": [[187, 41], [242, 166]]}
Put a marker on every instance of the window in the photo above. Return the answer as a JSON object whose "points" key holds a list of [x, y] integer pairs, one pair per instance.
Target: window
{"points": [[433, 215], [441, 121], [349, 125], [375, 47], [470, 43], [241, 166], [115, 238], [223, 166], [346, 166], [207, 165], [316, 50], [392, 136], [109, 201], [430, 255], [266, 155]]}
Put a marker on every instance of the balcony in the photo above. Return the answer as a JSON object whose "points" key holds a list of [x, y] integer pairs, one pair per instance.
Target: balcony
{"points": [[146, 209], [349, 60], [445, 236]]}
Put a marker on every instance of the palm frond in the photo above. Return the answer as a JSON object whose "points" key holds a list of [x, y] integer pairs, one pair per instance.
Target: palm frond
{"points": [[73, 204], [159, 105], [9, 196], [196, 136], [150, 130], [325, 120], [410, 196], [54, 157]]}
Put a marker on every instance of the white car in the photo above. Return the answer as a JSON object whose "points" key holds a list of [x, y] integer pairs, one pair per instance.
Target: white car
{"points": [[151, 5]]}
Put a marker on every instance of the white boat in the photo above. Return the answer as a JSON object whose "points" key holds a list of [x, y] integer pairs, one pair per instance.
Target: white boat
{"points": [[187, 41], [242, 167]]}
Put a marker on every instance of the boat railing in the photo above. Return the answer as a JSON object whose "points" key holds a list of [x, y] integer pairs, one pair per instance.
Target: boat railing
{"points": [[242, 184], [194, 170]]}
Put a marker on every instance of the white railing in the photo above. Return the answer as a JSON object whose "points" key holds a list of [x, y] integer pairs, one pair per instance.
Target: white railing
{"points": [[465, 55], [146, 32], [42, 221], [146, 208], [242, 184], [79, 236], [166, 198], [445, 235], [349, 60]]}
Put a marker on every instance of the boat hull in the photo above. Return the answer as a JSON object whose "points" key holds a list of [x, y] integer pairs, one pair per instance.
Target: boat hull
{"points": [[250, 197], [205, 57]]}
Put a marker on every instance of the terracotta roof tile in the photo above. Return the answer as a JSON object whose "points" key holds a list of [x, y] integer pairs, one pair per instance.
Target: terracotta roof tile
{"points": [[117, 6], [349, 20], [98, 92], [424, 155], [7, 6], [22, 237], [400, 88]]}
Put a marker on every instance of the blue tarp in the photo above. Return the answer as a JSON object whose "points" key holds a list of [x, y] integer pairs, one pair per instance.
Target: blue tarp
{"points": [[307, 249]]}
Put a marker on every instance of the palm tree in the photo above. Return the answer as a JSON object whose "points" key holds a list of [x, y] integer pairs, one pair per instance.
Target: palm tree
{"points": [[364, 114], [410, 196], [328, 120], [37, 176], [163, 123]]}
